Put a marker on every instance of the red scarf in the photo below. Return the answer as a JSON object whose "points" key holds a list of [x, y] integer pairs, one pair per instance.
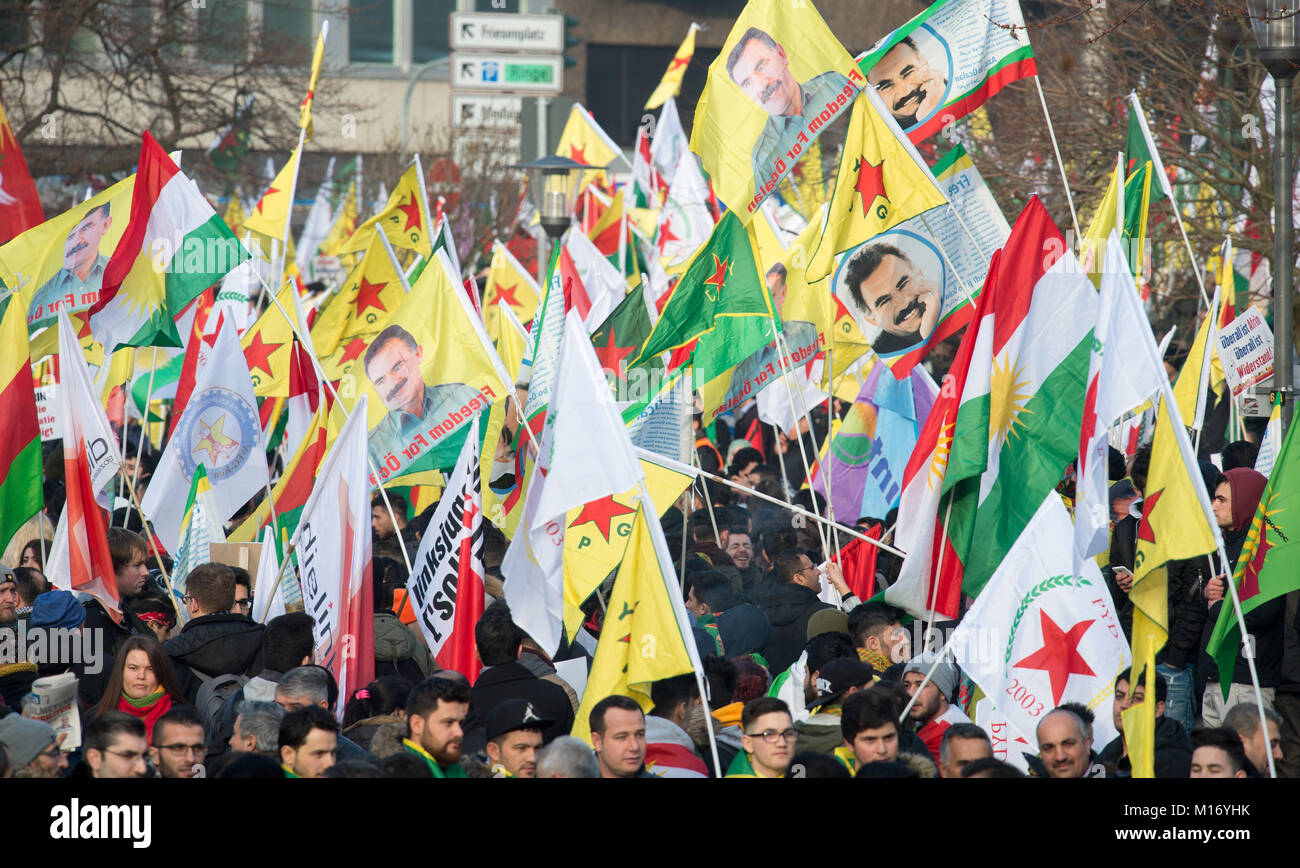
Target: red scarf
{"points": [[148, 713]]}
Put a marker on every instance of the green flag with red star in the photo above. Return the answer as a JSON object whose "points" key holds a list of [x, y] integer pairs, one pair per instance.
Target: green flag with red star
{"points": [[1269, 564], [617, 341], [722, 302]]}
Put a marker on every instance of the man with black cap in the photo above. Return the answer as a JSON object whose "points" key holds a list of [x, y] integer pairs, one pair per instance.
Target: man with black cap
{"points": [[32, 747], [836, 680], [514, 733], [932, 712], [8, 597]]}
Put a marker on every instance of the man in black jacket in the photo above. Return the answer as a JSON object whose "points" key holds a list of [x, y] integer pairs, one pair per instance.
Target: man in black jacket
{"points": [[130, 565], [1173, 748], [499, 641], [789, 606], [213, 642]]}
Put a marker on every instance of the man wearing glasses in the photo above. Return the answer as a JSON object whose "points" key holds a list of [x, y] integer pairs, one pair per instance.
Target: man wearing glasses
{"points": [[213, 642], [243, 593], [115, 747], [768, 741], [179, 744]]}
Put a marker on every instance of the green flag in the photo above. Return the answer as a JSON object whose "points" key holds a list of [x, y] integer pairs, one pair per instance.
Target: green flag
{"points": [[1269, 564], [722, 301], [1139, 150], [617, 341]]}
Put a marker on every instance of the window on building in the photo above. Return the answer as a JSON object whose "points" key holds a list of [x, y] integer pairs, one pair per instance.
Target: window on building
{"points": [[430, 29], [620, 78], [371, 31], [222, 30], [287, 23]]}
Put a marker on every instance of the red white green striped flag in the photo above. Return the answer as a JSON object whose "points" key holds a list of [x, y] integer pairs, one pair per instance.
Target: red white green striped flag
{"points": [[945, 62], [20, 448]]}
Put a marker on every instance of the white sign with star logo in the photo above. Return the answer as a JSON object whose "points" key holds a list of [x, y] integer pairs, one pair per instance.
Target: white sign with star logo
{"points": [[1039, 635]]}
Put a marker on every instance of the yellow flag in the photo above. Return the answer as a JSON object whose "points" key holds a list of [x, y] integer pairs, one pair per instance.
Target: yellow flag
{"points": [[510, 282], [47, 342], [596, 536], [671, 83], [805, 187], [304, 111], [344, 225], [1150, 630], [234, 216], [270, 215], [880, 183], [503, 504], [371, 293], [405, 219], [641, 641], [1199, 367], [583, 141], [267, 345]]}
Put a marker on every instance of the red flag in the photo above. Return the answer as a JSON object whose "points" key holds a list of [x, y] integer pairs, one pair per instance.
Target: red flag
{"points": [[20, 205], [859, 564]]}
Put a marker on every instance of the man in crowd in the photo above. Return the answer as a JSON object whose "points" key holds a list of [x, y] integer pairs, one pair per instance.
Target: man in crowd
{"points": [[834, 682], [32, 747], [514, 733], [618, 736], [257, 728], [878, 633], [789, 606], [670, 750], [114, 746], [932, 712], [740, 548], [308, 741], [1243, 719], [1065, 745], [310, 685], [435, 712], [869, 725], [567, 757], [380, 520], [8, 597], [1217, 753], [961, 745], [178, 743], [129, 552], [1173, 752], [769, 740], [213, 642]]}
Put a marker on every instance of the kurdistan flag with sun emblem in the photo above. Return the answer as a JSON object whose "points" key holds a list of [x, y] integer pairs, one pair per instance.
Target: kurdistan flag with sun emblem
{"points": [[175, 246]]}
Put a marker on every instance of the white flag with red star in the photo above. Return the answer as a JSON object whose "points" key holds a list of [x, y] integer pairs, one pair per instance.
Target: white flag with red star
{"points": [[1039, 635]]}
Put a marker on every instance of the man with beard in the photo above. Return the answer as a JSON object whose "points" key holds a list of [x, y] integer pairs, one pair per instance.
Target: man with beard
{"points": [[392, 363], [907, 84], [434, 713], [892, 295], [82, 273]]}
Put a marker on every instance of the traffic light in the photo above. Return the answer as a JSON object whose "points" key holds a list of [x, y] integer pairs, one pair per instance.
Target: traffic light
{"points": [[570, 41]]}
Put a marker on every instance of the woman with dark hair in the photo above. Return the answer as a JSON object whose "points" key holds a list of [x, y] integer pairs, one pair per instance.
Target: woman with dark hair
{"points": [[142, 684], [32, 556], [381, 701]]}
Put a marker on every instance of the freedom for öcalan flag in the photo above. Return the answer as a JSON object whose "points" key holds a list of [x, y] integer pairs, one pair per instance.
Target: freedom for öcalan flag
{"points": [[1041, 634]]}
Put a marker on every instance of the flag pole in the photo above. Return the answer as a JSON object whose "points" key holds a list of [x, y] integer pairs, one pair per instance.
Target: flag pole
{"points": [[148, 399], [664, 461], [1060, 164], [708, 501], [781, 350], [938, 658], [938, 571]]}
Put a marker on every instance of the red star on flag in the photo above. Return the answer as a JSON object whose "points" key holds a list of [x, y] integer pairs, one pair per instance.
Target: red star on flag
{"points": [[1144, 526], [412, 211], [577, 154], [678, 63], [611, 355], [870, 183], [507, 294], [368, 296], [666, 234], [602, 512], [1059, 657], [258, 353], [269, 191], [353, 350], [719, 277]]}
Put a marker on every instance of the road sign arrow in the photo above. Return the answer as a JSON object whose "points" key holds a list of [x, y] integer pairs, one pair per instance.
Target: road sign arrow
{"points": [[466, 112], [467, 30], [467, 71]]}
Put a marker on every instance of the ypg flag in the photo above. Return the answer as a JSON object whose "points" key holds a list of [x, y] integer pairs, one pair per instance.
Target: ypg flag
{"points": [[944, 63], [304, 110], [1269, 566], [671, 84], [373, 290], [508, 282], [583, 141], [266, 347], [643, 639], [780, 80], [1055, 635], [405, 219], [722, 299], [270, 216], [428, 373], [881, 182], [60, 264], [20, 204]]}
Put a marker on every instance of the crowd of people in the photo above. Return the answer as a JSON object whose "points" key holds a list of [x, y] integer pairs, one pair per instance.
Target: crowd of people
{"points": [[794, 686]]}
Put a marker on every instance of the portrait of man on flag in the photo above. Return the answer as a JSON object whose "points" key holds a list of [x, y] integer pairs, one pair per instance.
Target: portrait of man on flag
{"points": [[82, 273], [912, 77], [893, 285], [393, 364]]}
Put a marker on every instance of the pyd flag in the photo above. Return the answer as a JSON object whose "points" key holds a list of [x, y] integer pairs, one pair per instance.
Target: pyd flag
{"points": [[404, 219], [1115, 385], [1124, 207], [304, 110], [502, 468], [90, 461], [199, 528], [20, 450], [671, 84], [270, 216], [596, 535], [685, 220], [722, 294], [446, 582], [1018, 422], [780, 79], [642, 640], [1269, 565], [332, 544], [1198, 369], [881, 181], [266, 347], [345, 223], [221, 429], [1041, 633], [20, 204], [508, 283], [584, 455], [944, 63], [617, 341], [234, 216], [175, 247]]}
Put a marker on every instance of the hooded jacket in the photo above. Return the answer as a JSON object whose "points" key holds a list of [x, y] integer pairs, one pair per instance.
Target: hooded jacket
{"points": [[398, 652], [788, 608], [1265, 622], [1173, 751], [211, 645]]}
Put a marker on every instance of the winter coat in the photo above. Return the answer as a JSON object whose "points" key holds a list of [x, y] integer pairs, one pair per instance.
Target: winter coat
{"points": [[398, 652], [211, 645], [1173, 751], [788, 608], [496, 684]]}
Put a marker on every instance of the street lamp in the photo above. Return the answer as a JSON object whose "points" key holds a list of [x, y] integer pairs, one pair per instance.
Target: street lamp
{"points": [[1274, 23], [553, 185]]}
